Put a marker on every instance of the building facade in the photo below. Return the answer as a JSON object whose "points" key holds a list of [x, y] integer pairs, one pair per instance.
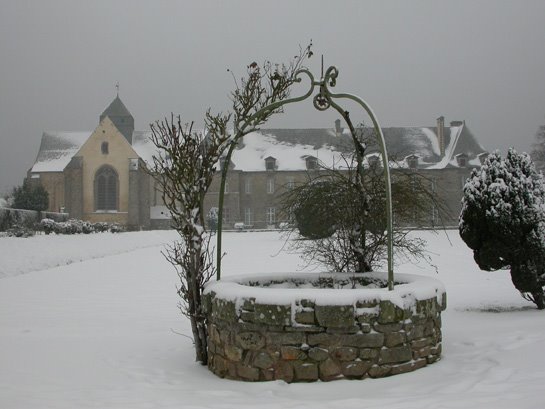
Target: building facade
{"points": [[96, 176], [101, 175]]}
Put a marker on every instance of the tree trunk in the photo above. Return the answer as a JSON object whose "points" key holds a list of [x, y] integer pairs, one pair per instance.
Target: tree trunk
{"points": [[539, 300], [197, 318], [525, 279], [200, 338]]}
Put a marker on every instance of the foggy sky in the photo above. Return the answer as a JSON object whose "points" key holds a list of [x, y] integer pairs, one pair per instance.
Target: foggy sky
{"points": [[412, 61]]}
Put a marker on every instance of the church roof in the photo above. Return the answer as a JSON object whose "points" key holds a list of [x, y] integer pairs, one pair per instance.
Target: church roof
{"points": [[116, 109], [57, 149]]}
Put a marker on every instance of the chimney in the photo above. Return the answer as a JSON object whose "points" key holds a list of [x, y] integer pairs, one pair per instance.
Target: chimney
{"points": [[441, 134], [338, 129]]}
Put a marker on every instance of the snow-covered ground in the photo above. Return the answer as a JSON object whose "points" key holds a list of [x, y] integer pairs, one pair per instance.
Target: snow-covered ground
{"points": [[92, 322]]}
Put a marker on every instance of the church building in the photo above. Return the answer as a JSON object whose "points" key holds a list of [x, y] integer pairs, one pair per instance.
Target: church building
{"points": [[98, 175]]}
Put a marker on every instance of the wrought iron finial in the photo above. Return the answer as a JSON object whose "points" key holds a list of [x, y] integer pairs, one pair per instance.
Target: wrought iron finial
{"points": [[322, 75], [117, 87]]}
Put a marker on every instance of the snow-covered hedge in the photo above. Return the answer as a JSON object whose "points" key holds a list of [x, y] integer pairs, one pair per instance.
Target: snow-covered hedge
{"points": [[74, 226], [26, 219]]}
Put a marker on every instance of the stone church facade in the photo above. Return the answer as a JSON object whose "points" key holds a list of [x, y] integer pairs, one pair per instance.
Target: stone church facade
{"points": [[101, 175], [96, 176]]}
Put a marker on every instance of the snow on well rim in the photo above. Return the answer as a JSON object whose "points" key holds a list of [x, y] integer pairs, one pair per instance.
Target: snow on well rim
{"points": [[408, 289]]}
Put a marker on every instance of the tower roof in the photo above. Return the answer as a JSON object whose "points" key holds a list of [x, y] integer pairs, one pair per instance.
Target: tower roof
{"points": [[121, 117], [115, 109]]}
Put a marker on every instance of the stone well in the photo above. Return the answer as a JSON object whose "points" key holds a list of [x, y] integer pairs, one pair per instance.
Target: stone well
{"points": [[309, 327]]}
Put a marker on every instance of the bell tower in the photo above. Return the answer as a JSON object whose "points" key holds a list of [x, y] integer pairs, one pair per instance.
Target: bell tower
{"points": [[120, 116]]}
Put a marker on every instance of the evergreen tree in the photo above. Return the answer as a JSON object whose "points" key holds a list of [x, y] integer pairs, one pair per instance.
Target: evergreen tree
{"points": [[30, 196], [503, 220]]}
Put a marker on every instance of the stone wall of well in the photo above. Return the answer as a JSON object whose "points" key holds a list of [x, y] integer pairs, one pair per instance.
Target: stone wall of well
{"points": [[305, 342]]}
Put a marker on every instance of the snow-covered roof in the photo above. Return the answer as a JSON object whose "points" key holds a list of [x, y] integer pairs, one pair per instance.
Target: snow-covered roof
{"points": [[291, 147], [142, 145], [289, 156], [57, 149]]}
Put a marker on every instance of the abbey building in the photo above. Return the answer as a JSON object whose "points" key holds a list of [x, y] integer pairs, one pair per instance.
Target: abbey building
{"points": [[100, 175]]}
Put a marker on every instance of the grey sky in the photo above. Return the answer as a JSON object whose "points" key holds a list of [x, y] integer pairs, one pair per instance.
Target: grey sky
{"points": [[482, 61]]}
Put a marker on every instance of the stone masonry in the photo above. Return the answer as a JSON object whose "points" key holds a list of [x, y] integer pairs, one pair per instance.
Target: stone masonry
{"points": [[306, 342]]}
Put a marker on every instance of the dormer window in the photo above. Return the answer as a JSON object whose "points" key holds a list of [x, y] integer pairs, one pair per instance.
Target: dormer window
{"points": [[461, 160], [104, 148], [412, 161], [482, 157], [223, 163], [311, 162], [270, 163], [373, 161]]}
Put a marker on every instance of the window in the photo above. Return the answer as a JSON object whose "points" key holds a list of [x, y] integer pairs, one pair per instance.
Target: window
{"points": [[433, 185], [104, 148], [291, 183], [291, 215], [462, 160], [270, 185], [106, 189], [248, 216], [312, 163], [434, 215], [482, 157], [412, 161], [373, 161], [270, 163], [248, 186], [226, 216], [155, 194], [271, 215], [223, 163], [414, 183]]}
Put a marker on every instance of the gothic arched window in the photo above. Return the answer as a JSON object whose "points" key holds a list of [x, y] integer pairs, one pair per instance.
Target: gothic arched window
{"points": [[106, 189]]}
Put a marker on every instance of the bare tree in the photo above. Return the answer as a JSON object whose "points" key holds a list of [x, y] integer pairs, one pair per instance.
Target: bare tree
{"points": [[340, 214], [184, 168]]}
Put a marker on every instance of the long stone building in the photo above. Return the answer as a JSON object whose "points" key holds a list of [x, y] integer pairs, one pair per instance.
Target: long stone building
{"points": [[101, 175]]}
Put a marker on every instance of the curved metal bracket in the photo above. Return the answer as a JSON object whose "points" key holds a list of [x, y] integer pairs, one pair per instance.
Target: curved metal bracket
{"points": [[322, 101]]}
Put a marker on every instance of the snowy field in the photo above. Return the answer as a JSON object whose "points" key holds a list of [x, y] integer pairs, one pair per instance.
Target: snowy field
{"points": [[92, 322]]}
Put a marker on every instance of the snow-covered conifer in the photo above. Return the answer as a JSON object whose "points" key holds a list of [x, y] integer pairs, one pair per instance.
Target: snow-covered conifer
{"points": [[503, 220]]}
